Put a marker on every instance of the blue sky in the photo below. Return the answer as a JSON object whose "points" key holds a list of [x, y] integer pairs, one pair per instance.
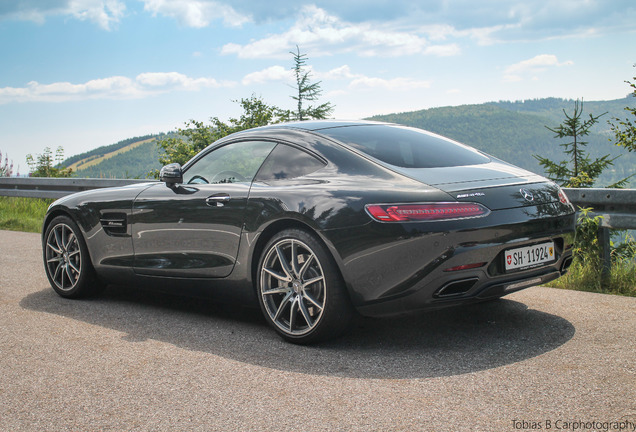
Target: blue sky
{"points": [[85, 73]]}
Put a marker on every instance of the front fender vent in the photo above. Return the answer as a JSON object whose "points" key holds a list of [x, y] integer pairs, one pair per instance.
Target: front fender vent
{"points": [[114, 223]]}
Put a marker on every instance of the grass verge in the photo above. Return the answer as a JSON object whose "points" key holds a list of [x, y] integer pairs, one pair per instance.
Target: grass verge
{"points": [[621, 281], [22, 214]]}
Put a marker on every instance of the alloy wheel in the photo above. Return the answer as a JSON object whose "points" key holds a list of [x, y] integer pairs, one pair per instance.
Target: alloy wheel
{"points": [[293, 287], [63, 257]]}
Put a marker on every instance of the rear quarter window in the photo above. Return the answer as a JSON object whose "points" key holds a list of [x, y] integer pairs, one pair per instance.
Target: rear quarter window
{"points": [[406, 147], [287, 162]]}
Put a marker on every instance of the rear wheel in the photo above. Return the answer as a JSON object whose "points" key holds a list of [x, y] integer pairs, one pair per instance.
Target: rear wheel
{"points": [[66, 260], [300, 289]]}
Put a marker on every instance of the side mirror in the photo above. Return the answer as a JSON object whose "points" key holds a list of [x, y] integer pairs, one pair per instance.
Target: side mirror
{"points": [[171, 174]]}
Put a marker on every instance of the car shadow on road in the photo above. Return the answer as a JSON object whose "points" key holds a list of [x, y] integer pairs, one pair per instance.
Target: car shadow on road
{"points": [[437, 343]]}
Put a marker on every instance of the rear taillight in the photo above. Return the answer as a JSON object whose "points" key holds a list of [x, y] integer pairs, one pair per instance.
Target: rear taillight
{"points": [[425, 212], [563, 197]]}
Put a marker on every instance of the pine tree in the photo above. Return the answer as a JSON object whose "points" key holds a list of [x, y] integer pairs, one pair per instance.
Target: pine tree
{"points": [[580, 170], [625, 129], [307, 91]]}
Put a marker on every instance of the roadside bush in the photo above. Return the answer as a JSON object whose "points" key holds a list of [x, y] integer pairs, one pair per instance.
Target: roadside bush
{"points": [[585, 274]]}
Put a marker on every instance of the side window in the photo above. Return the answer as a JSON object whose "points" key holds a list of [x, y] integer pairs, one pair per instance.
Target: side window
{"points": [[236, 162], [287, 162]]}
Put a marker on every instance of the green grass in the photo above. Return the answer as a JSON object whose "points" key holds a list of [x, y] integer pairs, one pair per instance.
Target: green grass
{"points": [[621, 281], [22, 214]]}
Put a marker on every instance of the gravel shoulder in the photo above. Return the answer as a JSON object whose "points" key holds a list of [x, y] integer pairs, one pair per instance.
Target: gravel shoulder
{"points": [[134, 360]]}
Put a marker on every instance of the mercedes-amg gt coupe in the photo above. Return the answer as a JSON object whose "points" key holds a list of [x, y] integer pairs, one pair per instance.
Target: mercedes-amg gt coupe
{"points": [[316, 222]]}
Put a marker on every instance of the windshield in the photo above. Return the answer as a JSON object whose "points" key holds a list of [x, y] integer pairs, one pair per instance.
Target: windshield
{"points": [[406, 147]]}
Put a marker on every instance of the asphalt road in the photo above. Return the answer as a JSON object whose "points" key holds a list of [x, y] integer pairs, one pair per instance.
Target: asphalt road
{"points": [[138, 361]]}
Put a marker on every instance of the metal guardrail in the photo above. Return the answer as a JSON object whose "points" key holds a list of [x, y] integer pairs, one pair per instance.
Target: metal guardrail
{"points": [[616, 206], [44, 187]]}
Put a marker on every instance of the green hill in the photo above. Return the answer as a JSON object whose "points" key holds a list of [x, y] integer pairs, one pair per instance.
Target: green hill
{"points": [[515, 131], [100, 151], [552, 108], [512, 131], [131, 158], [135, 162]]}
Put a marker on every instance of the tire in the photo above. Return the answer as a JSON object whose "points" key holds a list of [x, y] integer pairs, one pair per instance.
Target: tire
{"points": [[66, 260], [304, 298]]}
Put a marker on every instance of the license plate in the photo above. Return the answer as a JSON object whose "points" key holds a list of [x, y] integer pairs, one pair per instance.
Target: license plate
{"points": [[529, 256]]}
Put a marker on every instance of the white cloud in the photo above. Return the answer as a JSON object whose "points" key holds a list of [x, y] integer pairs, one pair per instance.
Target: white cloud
{"points": [[116, 87], [174, 81], [443, 50], [394, 84], [342, 72], [360, 81], [272, 73], [104, 13], [494, 21], [325, 34], [196, 13], [353, 81], [489, 21], [535, 65], [487, 35]]}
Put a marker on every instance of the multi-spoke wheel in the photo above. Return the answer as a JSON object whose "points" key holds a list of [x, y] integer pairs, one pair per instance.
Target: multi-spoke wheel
{"points": [[66, 260], [300, 290]]}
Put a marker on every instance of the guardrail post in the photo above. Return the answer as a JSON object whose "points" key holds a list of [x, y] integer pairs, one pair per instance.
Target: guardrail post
{"points": [[604, 236]]}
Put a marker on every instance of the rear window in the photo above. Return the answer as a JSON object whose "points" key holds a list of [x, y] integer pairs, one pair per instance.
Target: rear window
{"points": [[406, 147]]}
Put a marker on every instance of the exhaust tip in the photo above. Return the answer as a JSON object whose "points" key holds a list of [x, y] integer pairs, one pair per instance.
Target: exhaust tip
{"points": [[456, 288], [566, 264]]}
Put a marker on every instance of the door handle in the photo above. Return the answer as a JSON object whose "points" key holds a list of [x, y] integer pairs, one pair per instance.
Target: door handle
{"points": [[218, 200]]}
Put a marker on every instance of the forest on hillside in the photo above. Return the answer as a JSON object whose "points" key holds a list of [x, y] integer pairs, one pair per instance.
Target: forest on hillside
{"points": [[135, 163], [512, 131], [552, 108], [101, 151], [515, 131]]}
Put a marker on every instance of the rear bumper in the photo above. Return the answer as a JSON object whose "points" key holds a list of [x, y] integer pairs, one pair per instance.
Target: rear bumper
{"points": [[482, 289], [406, 269]]}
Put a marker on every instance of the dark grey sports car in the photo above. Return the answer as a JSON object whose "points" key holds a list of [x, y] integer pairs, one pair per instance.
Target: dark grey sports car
{"points": [[316, 220]]}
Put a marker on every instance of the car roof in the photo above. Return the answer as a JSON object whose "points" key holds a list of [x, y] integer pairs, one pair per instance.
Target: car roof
{"points": [[316, 125]]}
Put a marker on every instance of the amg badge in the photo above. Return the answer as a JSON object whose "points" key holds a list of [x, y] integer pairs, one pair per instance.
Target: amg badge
{"points": [[470, 195]]}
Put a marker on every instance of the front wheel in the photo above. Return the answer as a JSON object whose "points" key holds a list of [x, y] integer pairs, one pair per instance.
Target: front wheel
{"points": [[66, 260], [300, 289]]}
